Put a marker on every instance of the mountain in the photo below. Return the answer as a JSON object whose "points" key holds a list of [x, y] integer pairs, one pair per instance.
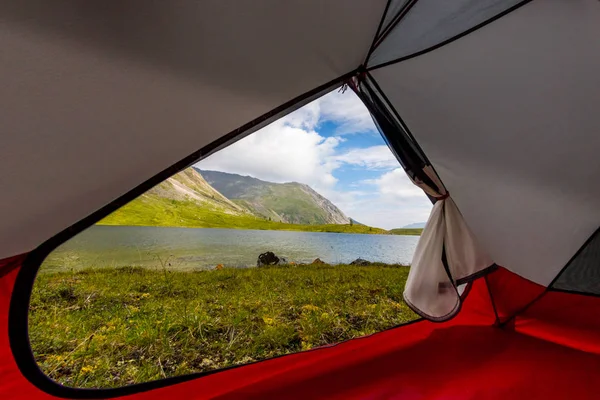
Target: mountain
{"points": [[291, 202], [188, 200], [189, 185], [185, 199], [415, 225]]}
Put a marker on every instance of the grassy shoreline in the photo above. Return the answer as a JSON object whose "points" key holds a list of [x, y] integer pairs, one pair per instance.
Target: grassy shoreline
{"points": [[116, 326], [149, 210], [329, 228]]}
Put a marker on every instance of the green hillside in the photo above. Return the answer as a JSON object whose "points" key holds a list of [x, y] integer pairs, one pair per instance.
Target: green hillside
{"points": [[188, 200], [290, 202], [152, 210]]}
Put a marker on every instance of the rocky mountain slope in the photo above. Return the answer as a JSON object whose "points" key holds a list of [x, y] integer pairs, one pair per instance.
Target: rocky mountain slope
{"points": [[291, 202], [189, 185]]}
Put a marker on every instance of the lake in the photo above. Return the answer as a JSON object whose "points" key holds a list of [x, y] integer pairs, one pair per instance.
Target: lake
{"points": [[200, 248]]}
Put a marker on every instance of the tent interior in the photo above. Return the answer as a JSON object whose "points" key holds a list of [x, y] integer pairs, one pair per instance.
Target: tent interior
{"points": [[489, 106]]}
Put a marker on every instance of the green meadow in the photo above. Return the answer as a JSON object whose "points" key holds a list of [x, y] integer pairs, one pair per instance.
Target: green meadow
{"points": [[151, 210], [116, 326]]}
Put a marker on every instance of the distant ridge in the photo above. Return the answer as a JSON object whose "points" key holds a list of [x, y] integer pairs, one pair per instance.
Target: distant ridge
{"points": [[415, 225]]}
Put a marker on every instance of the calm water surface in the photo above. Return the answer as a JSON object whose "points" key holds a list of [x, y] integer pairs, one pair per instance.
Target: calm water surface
{"points": [[188, 248]]}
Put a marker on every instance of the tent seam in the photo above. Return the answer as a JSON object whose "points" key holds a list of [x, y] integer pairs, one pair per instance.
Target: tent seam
{"points": [[395, 21], [372, 47], [487, 284], [452, 39], [522, 309]]}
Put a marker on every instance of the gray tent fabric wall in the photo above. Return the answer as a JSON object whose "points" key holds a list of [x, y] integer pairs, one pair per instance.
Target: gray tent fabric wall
{"points": [[498, 97], [511, 129], [98, 97]]}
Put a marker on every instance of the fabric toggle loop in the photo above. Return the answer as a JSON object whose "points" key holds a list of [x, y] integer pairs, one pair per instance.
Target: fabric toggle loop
{"points": [[443, 197]]}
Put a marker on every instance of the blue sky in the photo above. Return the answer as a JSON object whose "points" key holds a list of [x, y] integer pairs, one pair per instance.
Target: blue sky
{"points": [[332, 145]]}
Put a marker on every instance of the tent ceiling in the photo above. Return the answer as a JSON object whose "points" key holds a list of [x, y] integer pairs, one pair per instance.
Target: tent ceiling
{"points": [[97, 97], [508, 116], [427, 23]]}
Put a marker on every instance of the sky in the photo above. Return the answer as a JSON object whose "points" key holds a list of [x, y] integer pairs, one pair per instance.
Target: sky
{"points": [[333, 146]]}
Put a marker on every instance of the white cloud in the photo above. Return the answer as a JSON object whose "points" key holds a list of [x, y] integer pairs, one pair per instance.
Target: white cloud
{"points": [[347, 111], [383, 214], [374, 157], [291, 149], [280, 153], [306, 117], [396, 186], [393, 202]]}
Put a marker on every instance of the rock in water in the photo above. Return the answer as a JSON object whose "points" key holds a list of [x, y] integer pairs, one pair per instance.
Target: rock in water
{"points": [[360, 262], [268, 258]]}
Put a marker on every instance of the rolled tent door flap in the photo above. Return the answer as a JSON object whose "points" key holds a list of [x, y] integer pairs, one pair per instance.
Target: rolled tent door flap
{"points": [[448, 252], [429, 290], [431, 286]]}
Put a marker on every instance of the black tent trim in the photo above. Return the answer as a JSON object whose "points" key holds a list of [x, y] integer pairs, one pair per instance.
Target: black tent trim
{"points": [[450, 40], [400, 120], [394, 132], [403, 125], [395, 20], [372, 47], [51, 387], [19, 305], [18, 331], [477, 274]]}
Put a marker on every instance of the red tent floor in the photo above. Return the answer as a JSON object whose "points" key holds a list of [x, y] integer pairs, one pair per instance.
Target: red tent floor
{"points": [[551, 350]]}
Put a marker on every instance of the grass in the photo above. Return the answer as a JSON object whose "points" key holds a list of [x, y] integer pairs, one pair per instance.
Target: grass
{"points": [[149, 210], [117, 326], [406, 231]]}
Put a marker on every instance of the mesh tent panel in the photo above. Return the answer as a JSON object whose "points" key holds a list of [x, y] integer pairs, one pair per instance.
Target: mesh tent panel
{"points": [[583, 272]]}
